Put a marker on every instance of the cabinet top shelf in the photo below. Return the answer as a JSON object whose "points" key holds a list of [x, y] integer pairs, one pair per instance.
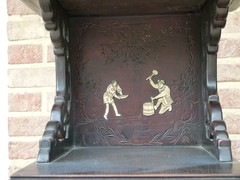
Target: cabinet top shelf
{"points": [[128, 7], [132, 7]]}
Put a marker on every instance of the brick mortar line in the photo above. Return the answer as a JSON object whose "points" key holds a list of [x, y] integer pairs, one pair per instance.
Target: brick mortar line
{"points": [[37, 41], [17, 17], [230, 35], [237, 109], [29, 114], [29, 89], [31, 65], [46, 89], [234, 136], [229, 62], [232, 61], [229, 58], [229, 84], [20, 160], [23, 114], [24, 138]]}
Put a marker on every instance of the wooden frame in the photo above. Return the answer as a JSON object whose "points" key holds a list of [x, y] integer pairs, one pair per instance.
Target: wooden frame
{"points": [[58, 132]]}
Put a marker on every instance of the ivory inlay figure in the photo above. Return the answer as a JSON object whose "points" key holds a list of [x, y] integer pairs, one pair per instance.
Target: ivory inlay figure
{"points": [[164, 99], [113, 91]]}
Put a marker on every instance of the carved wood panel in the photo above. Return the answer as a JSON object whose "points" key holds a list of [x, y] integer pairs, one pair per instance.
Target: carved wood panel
{"points": [[133, 7], [127, 49]]}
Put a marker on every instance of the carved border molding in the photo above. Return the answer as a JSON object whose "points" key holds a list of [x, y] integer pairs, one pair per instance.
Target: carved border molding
{"points": [[57, 129], [214, 19]]}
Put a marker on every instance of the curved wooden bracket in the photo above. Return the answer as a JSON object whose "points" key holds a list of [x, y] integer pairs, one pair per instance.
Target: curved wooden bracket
{"points": [[214, 19], [57, 129]]}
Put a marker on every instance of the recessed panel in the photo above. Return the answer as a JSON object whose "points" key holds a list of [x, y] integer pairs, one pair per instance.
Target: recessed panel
{"points": [[136, 80]]}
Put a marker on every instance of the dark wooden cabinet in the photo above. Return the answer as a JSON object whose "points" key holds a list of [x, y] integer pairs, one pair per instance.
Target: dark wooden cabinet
{"points": [[136, 93]]}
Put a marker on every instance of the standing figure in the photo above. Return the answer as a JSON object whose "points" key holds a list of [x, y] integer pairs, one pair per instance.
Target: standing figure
{"points": [[113, 90], [164, 97]]}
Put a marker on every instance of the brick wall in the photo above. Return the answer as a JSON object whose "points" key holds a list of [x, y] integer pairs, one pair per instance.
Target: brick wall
{"points": [[229, 78], [31, 82]]}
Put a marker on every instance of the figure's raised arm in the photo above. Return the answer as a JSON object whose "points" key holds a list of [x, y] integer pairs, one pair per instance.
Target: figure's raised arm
{"points": [[152, 83]]}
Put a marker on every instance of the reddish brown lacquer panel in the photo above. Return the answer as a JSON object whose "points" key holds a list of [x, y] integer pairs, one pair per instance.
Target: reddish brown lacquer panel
{"points": [[128, 49]]}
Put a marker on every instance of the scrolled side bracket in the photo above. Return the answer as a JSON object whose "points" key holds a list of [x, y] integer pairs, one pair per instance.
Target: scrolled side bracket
{"points": [[56, 134], [214, 15]]}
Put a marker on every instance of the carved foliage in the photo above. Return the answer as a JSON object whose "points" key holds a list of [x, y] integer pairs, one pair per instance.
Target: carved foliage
{"points": [[182, 130], [134, 46]]}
